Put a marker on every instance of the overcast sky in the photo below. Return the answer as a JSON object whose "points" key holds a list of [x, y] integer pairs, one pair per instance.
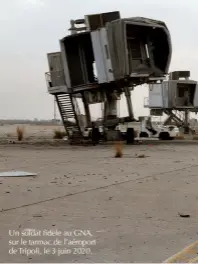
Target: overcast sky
{"points": [[31, 28]]}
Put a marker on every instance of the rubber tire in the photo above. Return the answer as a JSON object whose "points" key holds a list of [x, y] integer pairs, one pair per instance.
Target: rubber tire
{"points": [[130, 135], [164, 136], [143, 135]]}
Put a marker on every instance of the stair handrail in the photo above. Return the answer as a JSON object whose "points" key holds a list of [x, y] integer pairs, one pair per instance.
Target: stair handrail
{"points": [[78, 113]]}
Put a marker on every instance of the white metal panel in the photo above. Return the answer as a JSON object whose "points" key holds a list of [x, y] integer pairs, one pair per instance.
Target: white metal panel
{"points": [[99, 56], [165, 93], [55, 77], [57, 89], [195, 103], [155, 95], [65, 64], [54, 61], [106, 53]]}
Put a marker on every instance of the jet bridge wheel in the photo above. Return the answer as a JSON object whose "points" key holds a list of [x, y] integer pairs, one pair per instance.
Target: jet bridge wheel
{"points": [[164, 136]]}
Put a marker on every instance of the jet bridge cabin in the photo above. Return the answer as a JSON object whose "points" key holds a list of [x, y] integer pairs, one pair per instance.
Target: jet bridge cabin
{"points": [[114, 50], [174, 94]]}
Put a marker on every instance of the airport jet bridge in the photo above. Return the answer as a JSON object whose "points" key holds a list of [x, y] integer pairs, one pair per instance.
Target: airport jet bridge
{"points": [[176, 97], [104, 56]]}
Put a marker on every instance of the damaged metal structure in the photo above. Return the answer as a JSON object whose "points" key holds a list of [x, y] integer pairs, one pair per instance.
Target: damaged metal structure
{"points": [[176, 97], [103, 57]]}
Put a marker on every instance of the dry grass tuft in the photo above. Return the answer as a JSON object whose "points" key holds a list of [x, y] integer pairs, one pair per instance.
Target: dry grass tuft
{"points": [[20, 133], [118, 150], [180, 137], [58, 134], [195, 137]]}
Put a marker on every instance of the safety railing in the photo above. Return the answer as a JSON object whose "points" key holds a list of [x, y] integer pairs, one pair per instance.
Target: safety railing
{"points": [[55, 78]]}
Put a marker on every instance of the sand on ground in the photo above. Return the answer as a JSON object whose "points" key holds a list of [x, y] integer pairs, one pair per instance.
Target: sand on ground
{"points": [[126, 210]]}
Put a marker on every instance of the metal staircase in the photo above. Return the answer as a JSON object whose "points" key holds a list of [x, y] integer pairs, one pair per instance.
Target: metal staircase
{"points": [[177, 116], [70, 112]]}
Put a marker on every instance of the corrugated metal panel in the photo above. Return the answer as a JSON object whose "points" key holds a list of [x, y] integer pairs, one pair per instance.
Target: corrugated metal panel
{"points": [[106, 53], [172, 94], [117, 48], [56, 69], [165, 93], [97, 21], [65, 64], [99, 59], [195, 103], [155, 95]]}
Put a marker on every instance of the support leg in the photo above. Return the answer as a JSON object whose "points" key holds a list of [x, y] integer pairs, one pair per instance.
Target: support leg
{"points": [[129, 103], [186, 122], [87, 112]]}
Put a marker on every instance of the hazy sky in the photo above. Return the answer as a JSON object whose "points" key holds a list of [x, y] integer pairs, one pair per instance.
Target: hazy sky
{"points": [[31, 28]]}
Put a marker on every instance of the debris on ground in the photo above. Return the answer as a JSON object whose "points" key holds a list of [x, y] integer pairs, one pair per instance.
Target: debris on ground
{"points": [[140, 156], [17, 174], [184, 215], [37, 215]]}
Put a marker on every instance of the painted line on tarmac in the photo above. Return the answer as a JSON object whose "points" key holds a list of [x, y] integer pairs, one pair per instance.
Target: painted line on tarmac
{"points": [[186, 255]]}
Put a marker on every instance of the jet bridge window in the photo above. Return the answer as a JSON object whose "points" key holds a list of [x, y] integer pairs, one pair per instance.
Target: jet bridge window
{"points": [[185, 93]]}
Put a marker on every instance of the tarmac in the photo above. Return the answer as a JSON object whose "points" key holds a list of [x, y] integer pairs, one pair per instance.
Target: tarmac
{"points": [[87, 206]]}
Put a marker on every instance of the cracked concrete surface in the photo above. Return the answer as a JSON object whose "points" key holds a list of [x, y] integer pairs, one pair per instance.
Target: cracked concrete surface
{"points": [[130, 205]]}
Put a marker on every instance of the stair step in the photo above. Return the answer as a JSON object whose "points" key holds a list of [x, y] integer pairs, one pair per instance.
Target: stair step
{"points": [[67, 108], [63, 96], [68, 101], [65, 103], [68, 115], [67, 111]]}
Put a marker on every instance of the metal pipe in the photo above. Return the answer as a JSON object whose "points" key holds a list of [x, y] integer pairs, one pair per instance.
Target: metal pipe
{"points": [[129, 102]]}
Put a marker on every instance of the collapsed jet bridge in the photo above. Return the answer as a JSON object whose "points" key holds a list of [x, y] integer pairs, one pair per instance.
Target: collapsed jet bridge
{"points": [[103, 57]]}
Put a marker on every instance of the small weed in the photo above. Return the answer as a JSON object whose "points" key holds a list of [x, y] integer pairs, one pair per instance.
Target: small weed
{"points": [[118, 150], [180, 137], [20, 133], [58, 134]]}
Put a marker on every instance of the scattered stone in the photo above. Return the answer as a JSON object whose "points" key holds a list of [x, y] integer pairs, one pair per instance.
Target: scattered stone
{"points": [[140, 156], [37, 215], [7, 192]]}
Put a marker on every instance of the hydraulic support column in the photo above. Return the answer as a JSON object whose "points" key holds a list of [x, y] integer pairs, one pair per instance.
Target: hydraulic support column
{"points": [[87, 111], [129, 103]]}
